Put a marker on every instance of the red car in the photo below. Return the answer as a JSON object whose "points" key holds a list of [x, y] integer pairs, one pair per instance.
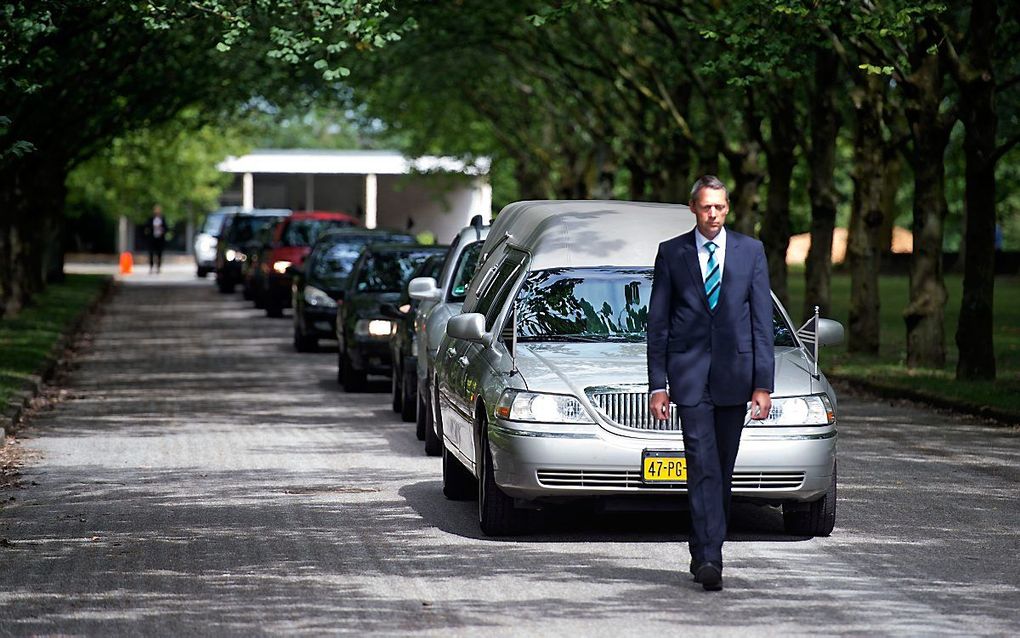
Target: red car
{"points": [[291, 242]]}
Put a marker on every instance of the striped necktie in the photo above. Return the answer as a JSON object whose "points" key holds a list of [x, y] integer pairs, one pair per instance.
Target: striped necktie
{"points": [[714, 279]]}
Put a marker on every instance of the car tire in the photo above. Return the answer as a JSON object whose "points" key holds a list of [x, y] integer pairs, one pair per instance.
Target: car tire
{"points": [[249, 295], [303, 342], [423, 409], [497, 515], [273, 309], [224, 285], [201, 272], [818, 519], [433, 433], [352, 379], [458, 484], [396, 392], [408, 392]]}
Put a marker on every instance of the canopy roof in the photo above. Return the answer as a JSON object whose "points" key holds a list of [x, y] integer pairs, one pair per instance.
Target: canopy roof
{"points": [[326, 162]]}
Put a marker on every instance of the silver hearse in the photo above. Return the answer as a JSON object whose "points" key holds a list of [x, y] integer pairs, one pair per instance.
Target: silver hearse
{"points": [[438, 301], [540, 386]]}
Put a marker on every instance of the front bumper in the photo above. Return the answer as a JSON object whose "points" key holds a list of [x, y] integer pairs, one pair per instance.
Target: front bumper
{"points": [[319, 321], [774, 465], [371, 355], [278, 290], [229, 272]]}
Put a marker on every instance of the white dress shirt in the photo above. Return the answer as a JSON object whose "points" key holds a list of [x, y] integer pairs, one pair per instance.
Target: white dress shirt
{"points": [[720, 252]]}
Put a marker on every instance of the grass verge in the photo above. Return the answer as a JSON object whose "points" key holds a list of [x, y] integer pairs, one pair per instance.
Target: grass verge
{"points": [[28, 339], [888, 374]]}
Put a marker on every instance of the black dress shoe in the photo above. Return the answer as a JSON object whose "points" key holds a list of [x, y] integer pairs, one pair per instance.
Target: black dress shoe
{"points": [[710, 576]]}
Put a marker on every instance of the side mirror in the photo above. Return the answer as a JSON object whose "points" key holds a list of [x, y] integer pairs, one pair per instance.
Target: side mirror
{"points": [[469, 326], [830, 332], [424, 289]]}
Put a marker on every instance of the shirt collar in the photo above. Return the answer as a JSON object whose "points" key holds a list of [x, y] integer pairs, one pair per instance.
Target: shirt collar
{"points": [[720, 239]]}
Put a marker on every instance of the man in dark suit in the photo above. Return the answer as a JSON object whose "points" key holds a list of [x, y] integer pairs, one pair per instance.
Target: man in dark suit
{"points": [[710, 351], [156, 231]]}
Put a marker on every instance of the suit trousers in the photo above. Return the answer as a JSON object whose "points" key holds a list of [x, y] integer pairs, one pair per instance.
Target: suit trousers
{"points": [[711, 439]]}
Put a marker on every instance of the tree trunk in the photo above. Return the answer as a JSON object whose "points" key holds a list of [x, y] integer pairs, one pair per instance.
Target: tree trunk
{"points": [[775, 229], [638, 181], [892, 175], [825, 123], [925, 314], [977, 109], [866, 218]]}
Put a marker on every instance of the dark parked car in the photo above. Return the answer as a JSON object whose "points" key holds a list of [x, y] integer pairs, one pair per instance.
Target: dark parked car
{"points": [[290, 242], [403, 343], [250, 266], [363, 333], [236, 240], [321, 280]]}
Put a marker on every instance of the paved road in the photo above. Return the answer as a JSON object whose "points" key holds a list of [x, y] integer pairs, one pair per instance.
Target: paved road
{"points": [[200, 477]]}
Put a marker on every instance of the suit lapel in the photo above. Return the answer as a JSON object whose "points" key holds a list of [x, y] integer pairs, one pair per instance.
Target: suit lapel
{"points": [[690, 259]]}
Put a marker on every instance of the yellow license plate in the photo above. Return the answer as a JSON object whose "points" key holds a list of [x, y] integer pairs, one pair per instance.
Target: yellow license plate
{"points": [[663, 466]]}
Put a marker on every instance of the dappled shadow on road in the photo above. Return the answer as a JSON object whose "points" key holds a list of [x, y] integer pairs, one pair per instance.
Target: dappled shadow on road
{"points": [[200, 478], [586, 521], [193, 551]]}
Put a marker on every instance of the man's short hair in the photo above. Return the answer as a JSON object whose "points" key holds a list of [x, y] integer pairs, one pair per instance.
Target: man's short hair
{"points": [[708, 181]]}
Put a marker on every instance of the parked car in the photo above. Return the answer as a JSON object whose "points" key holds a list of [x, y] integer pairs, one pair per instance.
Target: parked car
{"points": [[441, 298], [254, 252], [235, 242], [404, 344], [541, 391], [205, 241], [289, 243], [320, 281], [363, 333]]}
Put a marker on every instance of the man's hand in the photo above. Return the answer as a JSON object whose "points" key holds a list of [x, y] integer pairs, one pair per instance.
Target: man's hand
{"points": [[761, 403], [658, 404]]}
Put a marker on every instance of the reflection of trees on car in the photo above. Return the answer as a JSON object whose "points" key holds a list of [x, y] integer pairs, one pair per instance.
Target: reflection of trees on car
{"points": [[339, 261], [596, 304], [305, 232], [388, 273], [590, 302]]}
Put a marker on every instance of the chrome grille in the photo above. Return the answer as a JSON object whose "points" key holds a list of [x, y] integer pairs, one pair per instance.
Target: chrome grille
{"points": [[631, 479], [628, 408]]}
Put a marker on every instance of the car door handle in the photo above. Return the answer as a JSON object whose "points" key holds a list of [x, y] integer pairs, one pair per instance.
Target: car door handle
{"points": [[451, 351], [463, 361]]}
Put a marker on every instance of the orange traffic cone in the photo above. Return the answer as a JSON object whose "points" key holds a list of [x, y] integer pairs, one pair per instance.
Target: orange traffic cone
{"points": [[126, 263]]}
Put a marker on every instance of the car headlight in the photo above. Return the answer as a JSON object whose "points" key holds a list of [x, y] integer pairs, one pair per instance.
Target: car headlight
{"points": [[318, 298], [815, 409], [374, 328], [230, 254], [281, 266], [517, 405]]}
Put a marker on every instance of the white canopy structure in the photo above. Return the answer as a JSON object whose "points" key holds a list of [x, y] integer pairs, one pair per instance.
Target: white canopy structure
{"points": [[384, 188]]}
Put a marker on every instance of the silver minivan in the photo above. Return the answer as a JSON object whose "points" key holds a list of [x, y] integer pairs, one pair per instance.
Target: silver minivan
{"points": [[540, 387], [438, 301]]}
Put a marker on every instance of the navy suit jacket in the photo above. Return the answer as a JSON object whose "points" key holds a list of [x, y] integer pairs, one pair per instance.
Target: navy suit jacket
{"points": [[731, 349]]}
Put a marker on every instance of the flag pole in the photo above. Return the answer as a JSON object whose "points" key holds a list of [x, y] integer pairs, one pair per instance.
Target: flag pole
{"points": [[816, 342]]}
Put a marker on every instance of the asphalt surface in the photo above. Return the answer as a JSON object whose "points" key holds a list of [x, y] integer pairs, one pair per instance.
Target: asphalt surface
{"points": [[199, 477]]}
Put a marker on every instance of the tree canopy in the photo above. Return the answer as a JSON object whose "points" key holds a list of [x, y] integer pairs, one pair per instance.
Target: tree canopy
{"points": [[810, 110]]}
